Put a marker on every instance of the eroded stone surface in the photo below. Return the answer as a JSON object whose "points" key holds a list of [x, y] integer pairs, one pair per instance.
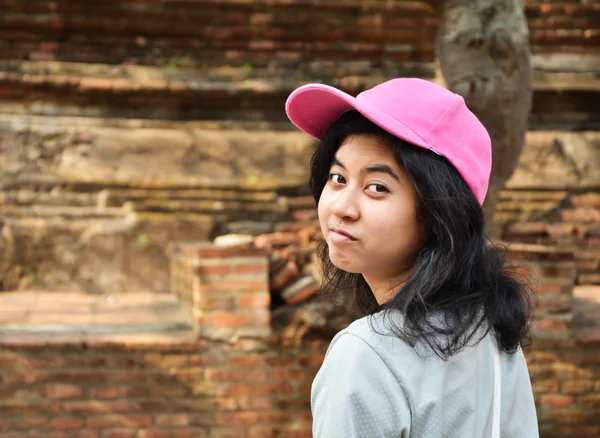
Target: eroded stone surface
{"points": [[558, 160]]}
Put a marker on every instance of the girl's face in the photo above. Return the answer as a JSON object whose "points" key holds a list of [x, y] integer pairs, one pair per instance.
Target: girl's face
{"points": [[367, 211]]}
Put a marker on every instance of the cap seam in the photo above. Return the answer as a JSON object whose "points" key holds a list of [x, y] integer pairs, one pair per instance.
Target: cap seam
{"points": [[455, 100], [398, 121]]}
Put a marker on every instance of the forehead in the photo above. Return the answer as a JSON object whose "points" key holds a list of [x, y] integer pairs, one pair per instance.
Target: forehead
{"points": [[366, 149]]}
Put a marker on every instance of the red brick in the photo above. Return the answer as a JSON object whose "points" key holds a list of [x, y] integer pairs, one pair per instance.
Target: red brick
{"points": [[192, 405], [588, 279], [251, 390], [277, 417], [548, 324], [275, 240], [558, 304], [226, 404], [303, 389], [28, 423], [172, 433], [279, 361], [575, 431], [117, 421], [209, 251], [238, 418], [297, 433], [581, 215], [258, 268], [21, 407], [577, 386], [236, 375], [234, 286], [284, 276], [592, 242], [553, 289], [214, 270], [258, 19], [262, 432], [555, 270], [72, 377], [48, 46], [66, 423], [223, 319], [228, 431], [148, 391], [256, 403], [570, 416], [8, 361], [288, 375], [172, 420], [100, 407], [217, 302], [168, 360], [42, 56], [300, 290], [527, 228], [246, 361], [104, 393], [587, 200], [556, 400], [259, 301], [314, 360], [590, 400], [62, 391], [80, 434], [18, 392], [12, 378], [120, 433]]}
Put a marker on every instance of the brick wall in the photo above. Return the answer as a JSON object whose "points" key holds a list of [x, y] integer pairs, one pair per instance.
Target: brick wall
{"points": [[153, 388], [226, 289], [565, 218], [279, 34], [241, 386]]}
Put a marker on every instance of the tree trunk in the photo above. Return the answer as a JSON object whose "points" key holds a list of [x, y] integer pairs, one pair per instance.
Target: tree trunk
{"points": [[483, 53]]}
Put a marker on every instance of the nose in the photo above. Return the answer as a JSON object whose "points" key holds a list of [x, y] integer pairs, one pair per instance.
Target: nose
{"points": [[345, 205]]}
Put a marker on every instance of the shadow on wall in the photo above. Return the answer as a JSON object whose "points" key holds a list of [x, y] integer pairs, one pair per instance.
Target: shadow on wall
{"points": [[152, 384]]}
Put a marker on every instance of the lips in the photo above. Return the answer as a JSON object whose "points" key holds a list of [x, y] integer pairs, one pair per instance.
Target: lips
{"points": [[342, 232]]}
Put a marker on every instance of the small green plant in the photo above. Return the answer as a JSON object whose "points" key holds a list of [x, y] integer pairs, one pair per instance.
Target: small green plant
{"points": [[247, 68], [142, 241], [32, 277], [171, 67], [252, 180]]}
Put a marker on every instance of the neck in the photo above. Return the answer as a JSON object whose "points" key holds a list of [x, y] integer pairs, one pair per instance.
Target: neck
{"points": [[385, 287]]}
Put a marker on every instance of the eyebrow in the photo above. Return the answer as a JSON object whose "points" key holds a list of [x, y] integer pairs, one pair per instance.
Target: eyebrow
{"points": [[381, 168]]}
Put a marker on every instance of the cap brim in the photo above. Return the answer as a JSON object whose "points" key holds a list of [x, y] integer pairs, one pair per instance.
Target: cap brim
{"points": [[314, 107]]}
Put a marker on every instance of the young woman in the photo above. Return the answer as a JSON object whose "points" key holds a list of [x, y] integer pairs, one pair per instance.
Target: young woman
{"points": [[399, 176]]}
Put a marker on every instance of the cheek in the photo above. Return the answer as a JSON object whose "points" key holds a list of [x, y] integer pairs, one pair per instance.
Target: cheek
{"points": [[396, 230], [323, 209]]}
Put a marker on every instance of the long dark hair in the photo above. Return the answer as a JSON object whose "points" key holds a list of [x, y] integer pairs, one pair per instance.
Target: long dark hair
{"points": [[461, 286]]}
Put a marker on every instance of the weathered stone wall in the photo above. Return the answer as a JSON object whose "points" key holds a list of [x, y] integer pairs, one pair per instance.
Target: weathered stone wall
{"points": [[169, 132]]}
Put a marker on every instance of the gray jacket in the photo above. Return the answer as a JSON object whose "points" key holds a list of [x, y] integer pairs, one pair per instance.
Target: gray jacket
{"points": [[371, 385]]}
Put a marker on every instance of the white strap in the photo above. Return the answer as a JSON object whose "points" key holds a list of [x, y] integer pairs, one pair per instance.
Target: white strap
{"points": [[497, 394]]}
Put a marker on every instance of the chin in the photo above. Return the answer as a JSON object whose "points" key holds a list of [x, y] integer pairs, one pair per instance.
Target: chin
{"points": [[345, 265]]}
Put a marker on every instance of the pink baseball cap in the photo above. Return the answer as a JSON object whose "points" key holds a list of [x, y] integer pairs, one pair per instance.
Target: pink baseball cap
{"points": [[415, 110]]}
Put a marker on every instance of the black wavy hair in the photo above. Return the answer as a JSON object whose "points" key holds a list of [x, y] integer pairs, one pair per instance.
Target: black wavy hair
{"points": [[461, 286]]}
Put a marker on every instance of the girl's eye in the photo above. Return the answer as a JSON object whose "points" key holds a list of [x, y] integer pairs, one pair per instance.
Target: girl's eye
{"points": [[337, 178], [377, 188]]}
